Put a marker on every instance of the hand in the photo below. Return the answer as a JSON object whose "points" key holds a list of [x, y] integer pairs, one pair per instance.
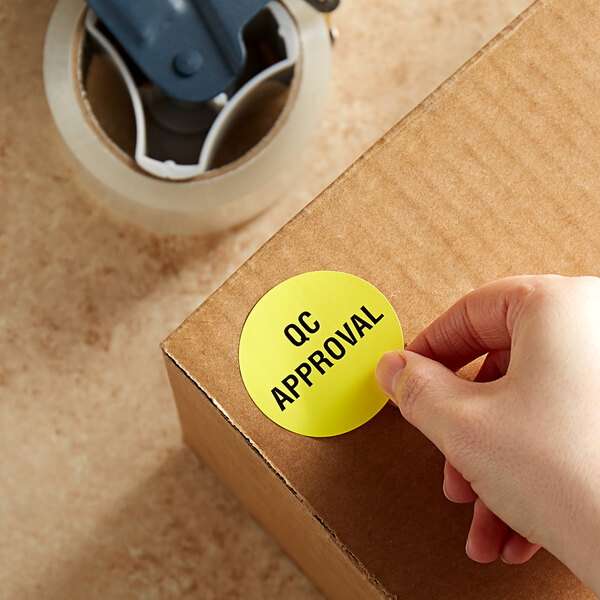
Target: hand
{"points": [[523, 440]]}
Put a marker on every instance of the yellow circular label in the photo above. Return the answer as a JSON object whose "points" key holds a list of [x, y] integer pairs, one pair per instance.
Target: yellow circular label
{"points": [[309, 348]]}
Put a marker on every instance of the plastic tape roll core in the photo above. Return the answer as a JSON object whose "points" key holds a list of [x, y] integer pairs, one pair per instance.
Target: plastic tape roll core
{"points": [[212, 201]]}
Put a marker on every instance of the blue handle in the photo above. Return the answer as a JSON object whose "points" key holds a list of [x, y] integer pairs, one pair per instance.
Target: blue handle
{"points": [[192, 49]]}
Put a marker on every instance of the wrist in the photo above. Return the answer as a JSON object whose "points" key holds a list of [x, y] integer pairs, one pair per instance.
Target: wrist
{"points": [[577, 541]]}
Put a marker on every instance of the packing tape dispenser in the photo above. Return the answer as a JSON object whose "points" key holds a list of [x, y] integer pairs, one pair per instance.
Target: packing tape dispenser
{"points": [[187, 115]]}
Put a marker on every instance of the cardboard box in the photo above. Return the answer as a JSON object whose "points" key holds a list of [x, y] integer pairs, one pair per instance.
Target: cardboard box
{"points": [[496, 173]]}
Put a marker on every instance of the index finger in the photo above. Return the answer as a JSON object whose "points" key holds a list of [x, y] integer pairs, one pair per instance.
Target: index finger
{"points": [[481, 321]]}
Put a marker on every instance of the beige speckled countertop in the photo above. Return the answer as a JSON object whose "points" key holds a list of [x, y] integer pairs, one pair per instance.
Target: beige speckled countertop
{"points": [[98, 496]]}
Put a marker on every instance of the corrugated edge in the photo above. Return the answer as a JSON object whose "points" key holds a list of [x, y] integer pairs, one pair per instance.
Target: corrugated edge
{"points": [[305, 505]]}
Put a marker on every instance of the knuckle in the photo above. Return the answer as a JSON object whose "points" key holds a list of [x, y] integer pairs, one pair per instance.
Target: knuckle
{"points": [[536, 295], [519, 298], [414, 386], [557, 296]]}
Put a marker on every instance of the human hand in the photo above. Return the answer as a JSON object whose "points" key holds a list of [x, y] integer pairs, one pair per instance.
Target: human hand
{"points": [[523, 440]]}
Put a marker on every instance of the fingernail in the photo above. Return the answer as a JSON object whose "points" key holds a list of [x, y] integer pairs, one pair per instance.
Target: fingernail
{"points": [[388, 370], [467, 547], [444, 490]]}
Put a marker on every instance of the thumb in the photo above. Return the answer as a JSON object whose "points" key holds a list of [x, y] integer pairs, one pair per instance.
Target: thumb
{"points": [[429, 396]]}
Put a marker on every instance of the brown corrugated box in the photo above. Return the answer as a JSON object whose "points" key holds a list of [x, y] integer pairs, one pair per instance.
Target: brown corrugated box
{"points": [[496, 173]]}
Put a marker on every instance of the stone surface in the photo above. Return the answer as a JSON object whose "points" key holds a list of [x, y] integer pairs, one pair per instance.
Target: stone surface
{"points": [[98, 496]]}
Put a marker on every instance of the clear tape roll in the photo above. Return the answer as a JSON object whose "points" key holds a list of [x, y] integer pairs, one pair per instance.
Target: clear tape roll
{"points": [[208, 203]]}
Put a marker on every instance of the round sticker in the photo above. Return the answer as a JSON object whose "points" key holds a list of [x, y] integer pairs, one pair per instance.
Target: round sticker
{"points": [[309, 348]]}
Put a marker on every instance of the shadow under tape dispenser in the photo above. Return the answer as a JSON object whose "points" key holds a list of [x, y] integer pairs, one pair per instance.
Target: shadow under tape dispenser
{"points": [[187, 115]]}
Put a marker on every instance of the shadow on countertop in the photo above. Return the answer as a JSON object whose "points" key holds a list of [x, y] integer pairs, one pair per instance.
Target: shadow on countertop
{"points": [[173, 538]]}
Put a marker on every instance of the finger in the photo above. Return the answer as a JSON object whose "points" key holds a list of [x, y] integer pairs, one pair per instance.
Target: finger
{"points": [[456, 487], [494, 366], [430, 396], [486, 536], [479, 322], [517, 549]]}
